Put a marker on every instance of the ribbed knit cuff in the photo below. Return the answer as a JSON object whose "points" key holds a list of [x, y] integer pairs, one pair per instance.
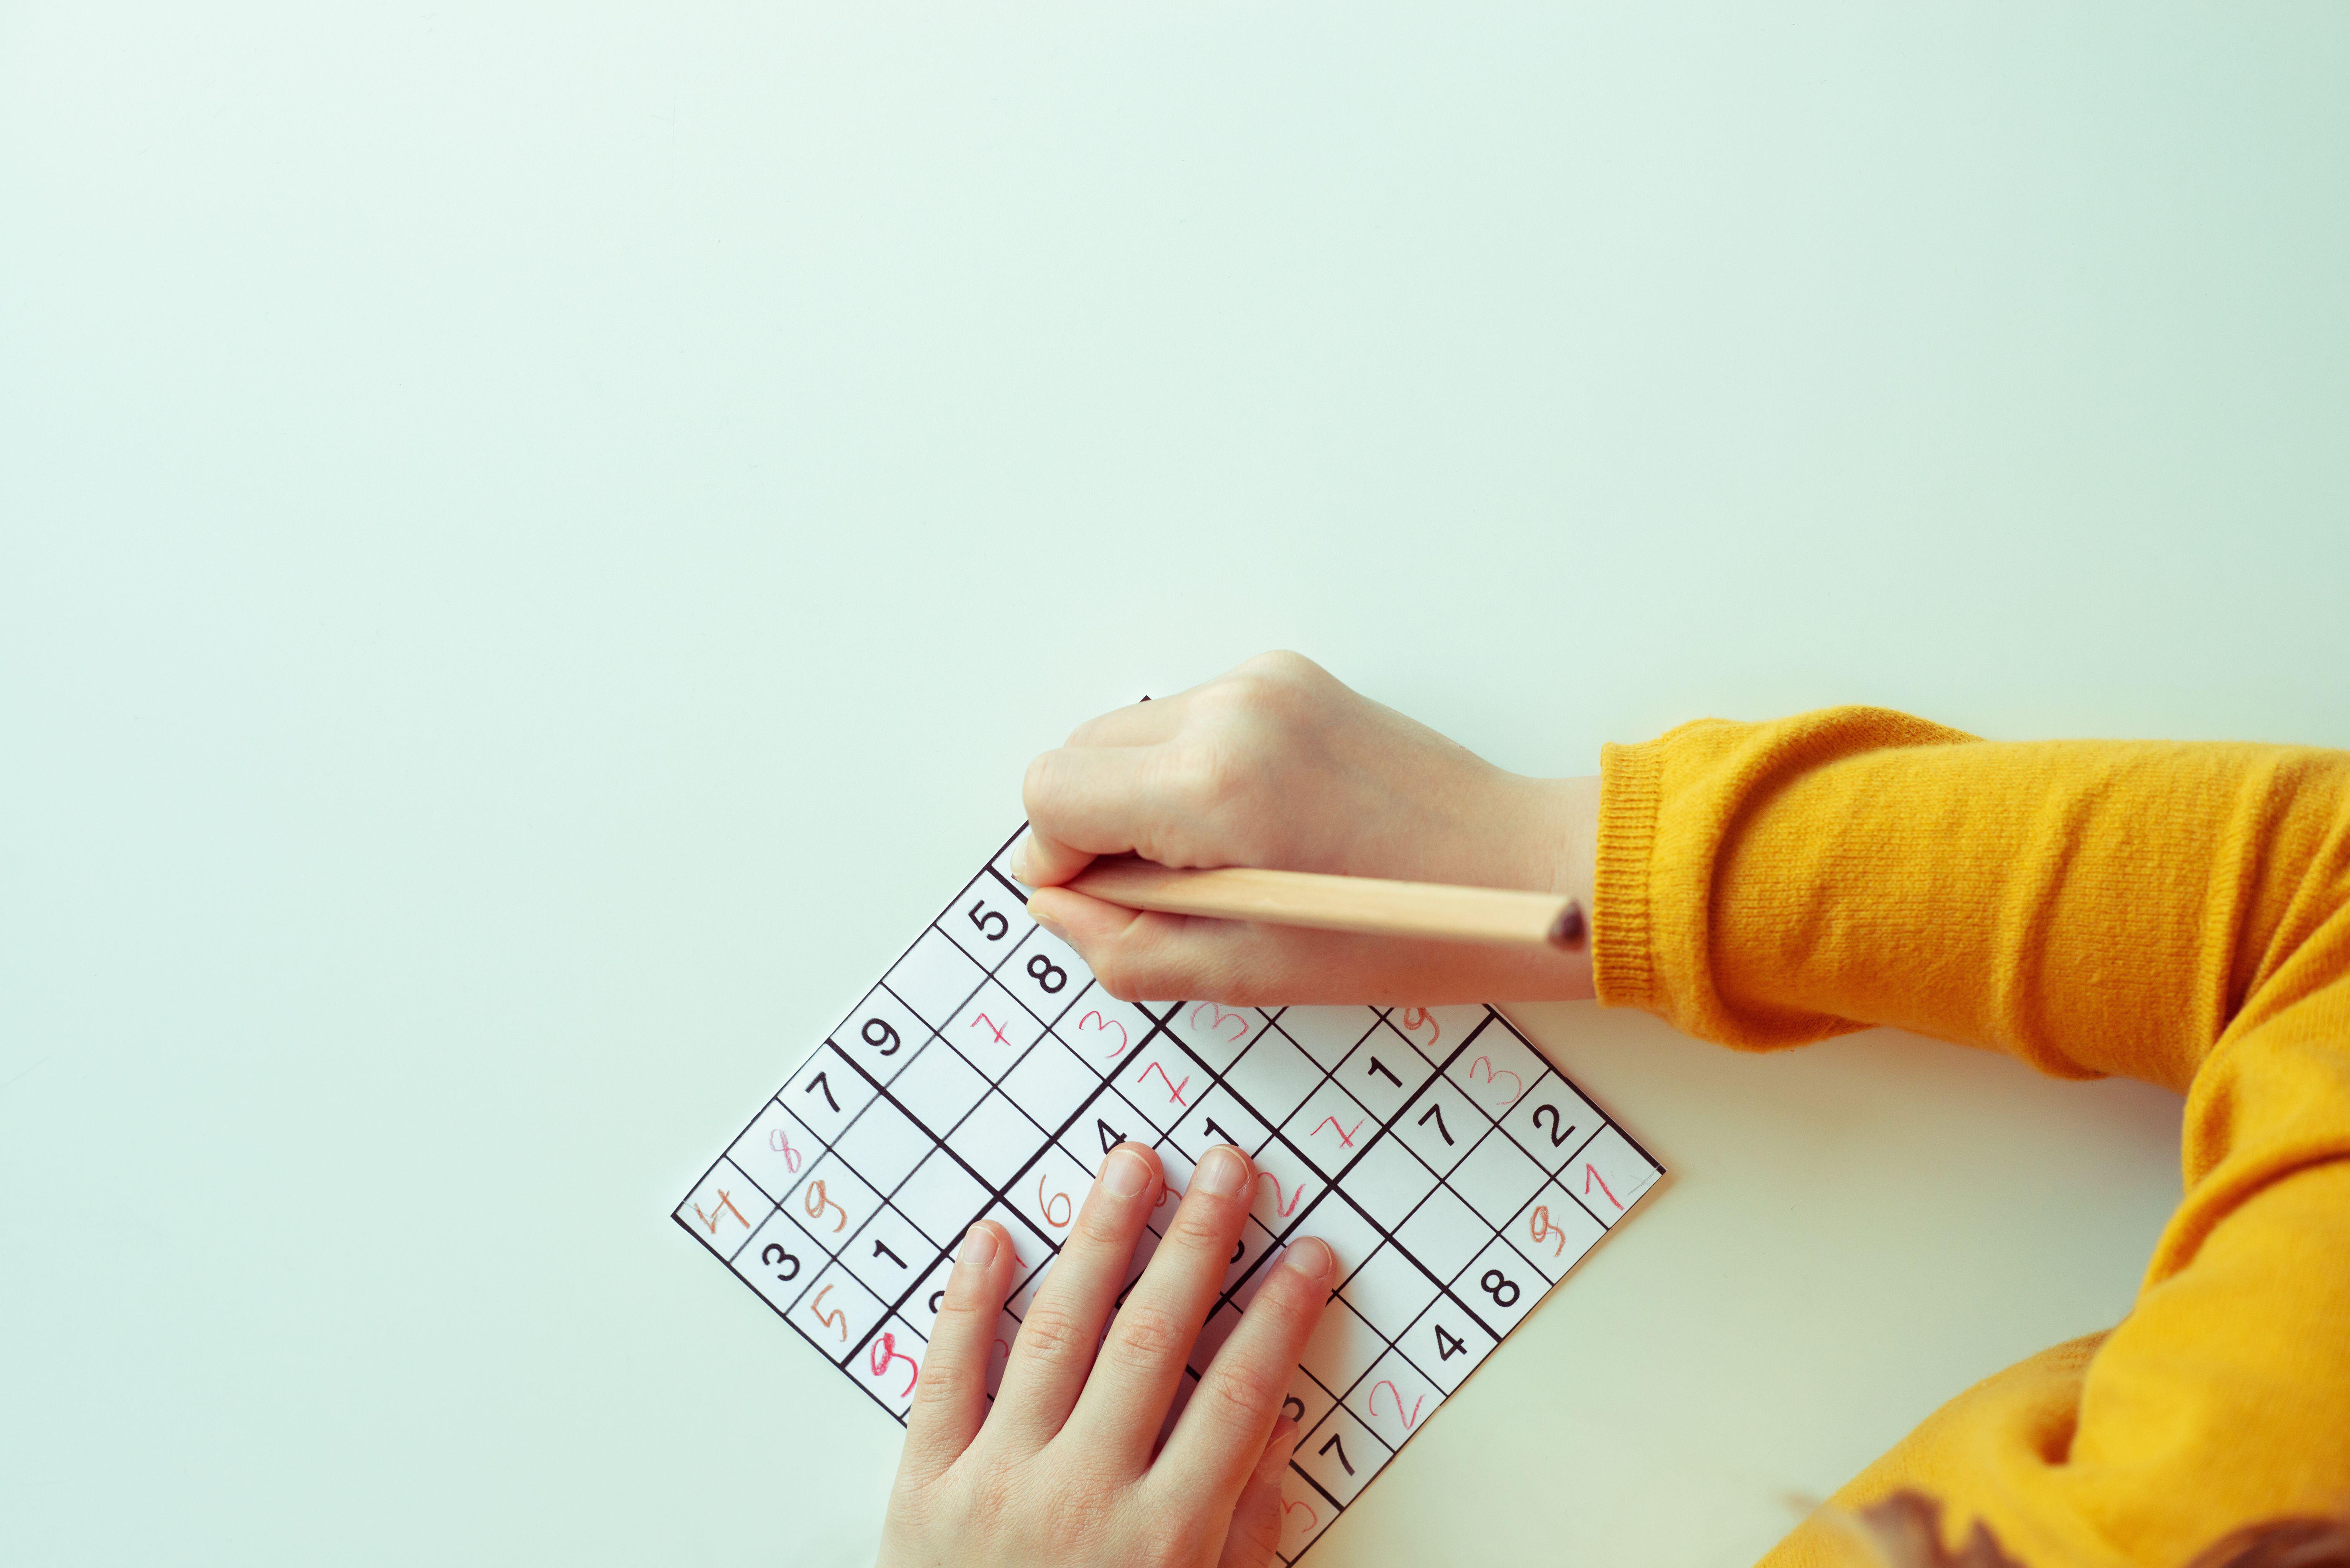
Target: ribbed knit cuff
{"points": [[1630, 786]]}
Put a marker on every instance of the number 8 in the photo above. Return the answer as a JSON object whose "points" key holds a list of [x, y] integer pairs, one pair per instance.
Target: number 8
{"points": [[1048, 974]]}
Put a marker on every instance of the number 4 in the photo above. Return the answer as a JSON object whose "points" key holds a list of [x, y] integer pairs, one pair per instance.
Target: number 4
{"points": [[1447, 1345]]}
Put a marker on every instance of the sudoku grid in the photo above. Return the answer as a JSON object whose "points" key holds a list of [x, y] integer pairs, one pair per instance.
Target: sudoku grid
{"points": [[1456, 1175]]}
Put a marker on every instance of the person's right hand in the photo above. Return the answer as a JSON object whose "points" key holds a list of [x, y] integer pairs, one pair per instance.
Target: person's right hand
{"points": [[1278, 765]]}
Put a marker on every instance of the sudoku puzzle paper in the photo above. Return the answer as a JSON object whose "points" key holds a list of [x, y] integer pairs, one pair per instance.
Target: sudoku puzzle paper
{"points": [[1456, 1175]]}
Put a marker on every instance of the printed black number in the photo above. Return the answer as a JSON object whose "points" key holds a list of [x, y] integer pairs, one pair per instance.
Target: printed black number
{"points": [[1222, 1133], [772, 1256], [1493, 1283], [817, 1084], [881, 1249], [1051, 976], [936, 1297], [1294, 1407], [1447, 1345], [1382, 1070], [1111, 1137], [1557, 1133], [1335, 1443], [1239, 1247], [1437, 1112], [980, 916], [886, 1040]]}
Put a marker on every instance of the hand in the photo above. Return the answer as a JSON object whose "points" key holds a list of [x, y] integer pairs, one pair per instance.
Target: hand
{"points": [[1062, 1472], [1278, 766]]}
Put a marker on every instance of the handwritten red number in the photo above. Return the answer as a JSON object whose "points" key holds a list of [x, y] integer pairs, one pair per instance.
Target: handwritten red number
{"points": [[815, 1203], [1044, 1205], [885, 1351], [1590, 1174], [1413, 1017], [725, 1207], [782, 1145], [1174, 1090], [1290, 1207], [1345, 1136], [1544, 1231], [979, 1019], [1370, 1404], [1103, 1027], [1494, 1077], [1311, 1517], [1215, 1025]]}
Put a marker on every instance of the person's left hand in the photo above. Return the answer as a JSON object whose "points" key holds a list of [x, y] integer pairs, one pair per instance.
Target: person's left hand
{"points": [[1062, 1472]]}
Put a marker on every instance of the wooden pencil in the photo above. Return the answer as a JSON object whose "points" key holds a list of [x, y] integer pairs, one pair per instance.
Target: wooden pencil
{"points": [[1366, 906]]}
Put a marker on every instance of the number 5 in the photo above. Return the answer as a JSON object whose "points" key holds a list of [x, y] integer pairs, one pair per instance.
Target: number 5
{"points": [[981, 914]]}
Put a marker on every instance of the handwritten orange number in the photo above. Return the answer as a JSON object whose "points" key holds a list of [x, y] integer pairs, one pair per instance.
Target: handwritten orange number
{"points": [[1044, 1205], [1544, 1231], [836, 1319], [725, 1207], [815, 1203]]}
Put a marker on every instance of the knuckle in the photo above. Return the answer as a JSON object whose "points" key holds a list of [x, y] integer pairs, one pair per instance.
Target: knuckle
{"points": [[1036, 785], [1149, 1335], [1050, 1333], [1242, 1394]]}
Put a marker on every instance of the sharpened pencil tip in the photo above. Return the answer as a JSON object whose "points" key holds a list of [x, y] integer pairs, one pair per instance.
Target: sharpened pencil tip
{"points": [[1567, 930]]}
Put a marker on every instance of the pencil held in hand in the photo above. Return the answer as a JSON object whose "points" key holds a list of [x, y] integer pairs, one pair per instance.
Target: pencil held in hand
{"points": [[1364, 905]]}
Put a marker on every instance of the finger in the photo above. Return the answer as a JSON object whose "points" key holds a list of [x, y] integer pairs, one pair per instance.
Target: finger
{"points": [[1108, 800], [951, 1391], [1055, 1347], [1143, 723], [1223, 1427], [1045, 862], [1133, 1378], [1240, 962], [1255, 1535]]}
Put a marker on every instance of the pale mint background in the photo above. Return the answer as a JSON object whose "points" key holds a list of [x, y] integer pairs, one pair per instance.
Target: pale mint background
{"points": [[534, 542]]}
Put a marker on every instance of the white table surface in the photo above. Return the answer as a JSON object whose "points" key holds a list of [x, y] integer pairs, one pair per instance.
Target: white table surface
{"points": [[534, 542]]}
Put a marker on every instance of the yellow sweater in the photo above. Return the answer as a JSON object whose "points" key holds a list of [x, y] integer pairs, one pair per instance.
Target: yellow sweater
{"points": [[2177, 913]]}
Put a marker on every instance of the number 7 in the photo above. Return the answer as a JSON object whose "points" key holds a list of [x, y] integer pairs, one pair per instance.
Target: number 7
{"points": [[1335, 1443]]}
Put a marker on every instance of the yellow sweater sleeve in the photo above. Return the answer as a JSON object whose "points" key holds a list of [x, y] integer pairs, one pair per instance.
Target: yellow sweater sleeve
{"points": [[2177, 913]]}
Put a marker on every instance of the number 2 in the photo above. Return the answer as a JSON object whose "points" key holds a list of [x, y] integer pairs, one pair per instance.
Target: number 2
{"points": [[1558, 1133]]}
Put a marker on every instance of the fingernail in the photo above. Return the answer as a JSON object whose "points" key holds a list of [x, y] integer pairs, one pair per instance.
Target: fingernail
{"points": [[1022, 864], [978, 1249], [1312, 1257], [1045, 920], [1223, 1174], [1126, 1173]]}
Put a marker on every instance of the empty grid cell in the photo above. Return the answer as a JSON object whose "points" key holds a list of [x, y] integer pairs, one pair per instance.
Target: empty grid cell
{"points": [[1285, 1187], [725, 1209], [1330, 1128], [939, 1087], [881, 1035], [993, 1030], [1444, 1233], [1272, 1076], [1553, 1231], [775, 1149], [831, 1201], [1101, 1029], [1216, 1117], [935, 978], [884, 1144], [1049, 1084], [1046, 973], [836, 1313], [779, 1260], [986, 920], [888, 1255], [1162, 1083], [1441, 1126], [1341, 1455], [1497, 1177], [1383, 1071], [1389, 1291], [826, 1093], [1551, 1122], [1393, 1398], [941, 1198], [1341, 1348], [1326, 1033], [1500, 1286], [891, 1363], [1496, 1069], [1447, 1344], [1610, 1175], [1438, 1032], [1388, 1183], [996, 1140], [1213, 1033]]}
